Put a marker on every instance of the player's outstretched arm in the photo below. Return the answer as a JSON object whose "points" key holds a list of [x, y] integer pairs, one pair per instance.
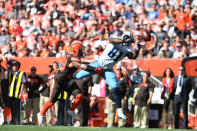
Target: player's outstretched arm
{"points": [[82, 66], [124, 41], [87, 67], [115, 40]]}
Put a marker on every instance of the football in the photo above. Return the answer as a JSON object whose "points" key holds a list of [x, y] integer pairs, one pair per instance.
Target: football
{"points": [[146, 35]]}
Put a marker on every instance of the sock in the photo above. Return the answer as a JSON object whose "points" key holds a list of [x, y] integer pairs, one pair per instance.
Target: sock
{"points": [[6, 113], [77, 102], [53, 107], [47, 105], [117, 98]]}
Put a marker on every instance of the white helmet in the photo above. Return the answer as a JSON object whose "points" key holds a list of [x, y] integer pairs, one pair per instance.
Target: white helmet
{"points": [[128, 34]]}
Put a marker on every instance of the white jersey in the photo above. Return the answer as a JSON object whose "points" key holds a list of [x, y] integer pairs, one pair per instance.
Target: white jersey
{"points": [[112, 54]]}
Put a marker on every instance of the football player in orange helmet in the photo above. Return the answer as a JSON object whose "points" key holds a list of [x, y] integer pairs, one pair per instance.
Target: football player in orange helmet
{"points": [[76, 49], [65, 82]]}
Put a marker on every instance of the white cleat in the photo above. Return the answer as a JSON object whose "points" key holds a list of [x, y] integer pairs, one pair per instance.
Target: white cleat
{"points": [[74, 115], [120, 115], [40, 119]]}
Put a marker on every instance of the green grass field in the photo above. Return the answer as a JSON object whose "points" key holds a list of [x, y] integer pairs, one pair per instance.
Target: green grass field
{"points": [[64, 128]]}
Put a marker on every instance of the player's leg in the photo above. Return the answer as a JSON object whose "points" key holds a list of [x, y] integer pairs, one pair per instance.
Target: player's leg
{"points": [[82, 74], [53, 99], [74, 90], [77, 101], [59, 82], [111, 80], [47, 105]]}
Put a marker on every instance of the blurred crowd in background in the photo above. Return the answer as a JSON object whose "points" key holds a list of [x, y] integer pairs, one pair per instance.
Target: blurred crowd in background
{"points": [[43, 28]]}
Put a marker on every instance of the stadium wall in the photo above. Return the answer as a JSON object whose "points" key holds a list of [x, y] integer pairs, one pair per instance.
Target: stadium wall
{"points": [[155, 66]]}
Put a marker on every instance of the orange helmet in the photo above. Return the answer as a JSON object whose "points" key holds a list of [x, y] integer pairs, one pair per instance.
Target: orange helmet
{"points": [[76, 48]]}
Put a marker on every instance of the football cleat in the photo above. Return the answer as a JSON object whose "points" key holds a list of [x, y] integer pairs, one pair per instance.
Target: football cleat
{"points": [[74, 115], [40, 119], [120, 115]]}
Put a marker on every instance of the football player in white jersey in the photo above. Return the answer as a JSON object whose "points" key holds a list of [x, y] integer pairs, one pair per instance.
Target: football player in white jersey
{"points": [[118, 48]]}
